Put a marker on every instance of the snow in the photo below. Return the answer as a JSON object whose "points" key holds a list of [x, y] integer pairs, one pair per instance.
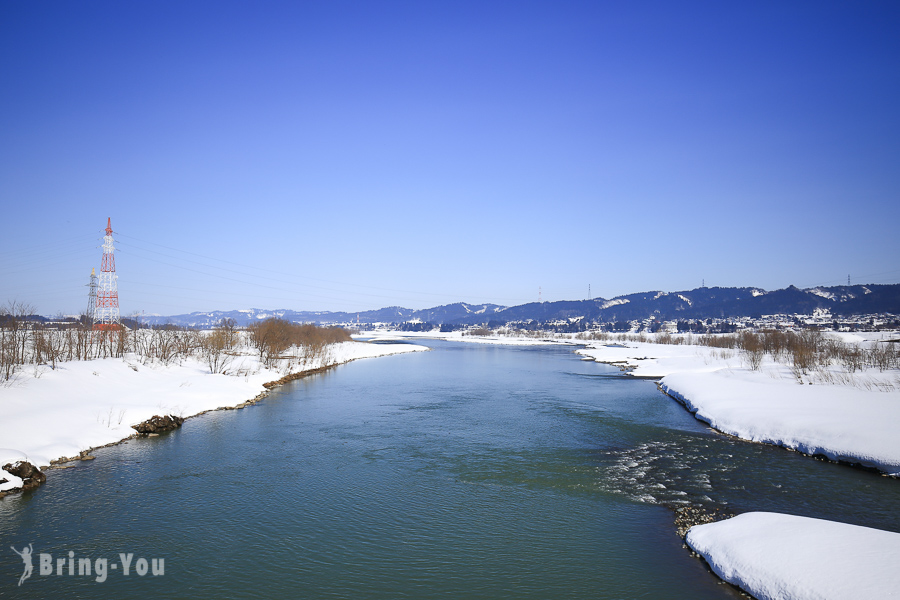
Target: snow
{"points": [[480, 311], [841, 422], [616, 302], [644, 359], [844, 416], [457, 336], [822, 293], [775, 556], [49, 414]]}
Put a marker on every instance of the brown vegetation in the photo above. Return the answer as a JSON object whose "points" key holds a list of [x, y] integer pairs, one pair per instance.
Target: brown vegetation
{"points": [[28, 342], [806, 350], [479, 331], [274, 336]]}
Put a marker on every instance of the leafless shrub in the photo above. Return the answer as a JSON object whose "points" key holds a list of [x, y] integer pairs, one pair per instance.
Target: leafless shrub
{"points": [[753, 345], [273, 337], [718, 341], [161, 345], [14, 334], [270, 338], [213, 347], [852, 357], [804, 350], [884, 357], [228, 330], [592, 335]]}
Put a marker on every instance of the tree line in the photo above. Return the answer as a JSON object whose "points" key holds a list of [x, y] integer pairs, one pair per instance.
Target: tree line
{"points": [[25, 341]]}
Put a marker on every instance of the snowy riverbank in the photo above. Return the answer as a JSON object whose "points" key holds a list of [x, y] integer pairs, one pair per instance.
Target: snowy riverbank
{"points": [[774, 557], [49, 414], [850, 417], [846, 416], [543, 339]]}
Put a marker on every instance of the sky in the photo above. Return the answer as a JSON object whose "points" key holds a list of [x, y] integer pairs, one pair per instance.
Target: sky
{"points": [[353, 155]]}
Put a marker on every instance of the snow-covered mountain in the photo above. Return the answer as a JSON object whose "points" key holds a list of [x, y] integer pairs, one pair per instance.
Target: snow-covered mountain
{"points": [[700, 303], [450, 313]]}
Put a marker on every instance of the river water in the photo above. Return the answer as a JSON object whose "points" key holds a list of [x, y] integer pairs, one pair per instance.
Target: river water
{"points": [[466, 472]]}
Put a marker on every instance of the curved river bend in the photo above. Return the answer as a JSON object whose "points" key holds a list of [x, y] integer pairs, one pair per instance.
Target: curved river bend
{"points": [[467, 472]]}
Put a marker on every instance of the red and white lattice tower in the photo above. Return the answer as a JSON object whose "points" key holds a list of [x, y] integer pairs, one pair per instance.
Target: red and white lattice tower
{"points": [[106, 313]]}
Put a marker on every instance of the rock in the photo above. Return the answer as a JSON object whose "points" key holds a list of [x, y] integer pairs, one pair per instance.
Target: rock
{"points": [[31, 476], [688, 516], [156, 424]]}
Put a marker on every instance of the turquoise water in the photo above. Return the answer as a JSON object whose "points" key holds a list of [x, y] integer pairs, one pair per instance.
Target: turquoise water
{"points": [[465, 472]]}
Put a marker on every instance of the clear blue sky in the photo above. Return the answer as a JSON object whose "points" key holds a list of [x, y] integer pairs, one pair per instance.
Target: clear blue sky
{"points": [[353, 155]]}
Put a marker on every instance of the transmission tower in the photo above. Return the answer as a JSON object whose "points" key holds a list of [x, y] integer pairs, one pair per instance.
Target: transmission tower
{"points": [[92, 296], [106, 313]]}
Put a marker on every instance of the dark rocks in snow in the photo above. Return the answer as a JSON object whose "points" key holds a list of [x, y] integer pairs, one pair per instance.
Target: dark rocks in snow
{"points": [[31, 476], [156, 424], [688, 516]]}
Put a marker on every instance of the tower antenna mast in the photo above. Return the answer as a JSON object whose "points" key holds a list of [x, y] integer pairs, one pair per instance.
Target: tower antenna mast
{"points": [[106, 312], [92, 296]]}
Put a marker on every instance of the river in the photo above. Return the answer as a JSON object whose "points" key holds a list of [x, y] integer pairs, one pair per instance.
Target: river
{"points": [[470, 471]]}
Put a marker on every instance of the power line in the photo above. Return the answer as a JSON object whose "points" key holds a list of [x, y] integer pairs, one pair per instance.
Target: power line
{"points": [[282, 275]]}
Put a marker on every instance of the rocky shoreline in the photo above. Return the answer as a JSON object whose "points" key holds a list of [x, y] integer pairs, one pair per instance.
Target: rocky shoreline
{"points": [[688, 516]]}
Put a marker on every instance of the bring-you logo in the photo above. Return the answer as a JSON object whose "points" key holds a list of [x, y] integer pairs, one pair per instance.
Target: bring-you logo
{"points": [[68, 565]]}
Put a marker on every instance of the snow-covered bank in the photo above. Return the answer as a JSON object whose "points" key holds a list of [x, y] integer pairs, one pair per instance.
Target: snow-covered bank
{"points": [[48, 414], [838, 421], [851, 417], [776, 557], [457, 336]]}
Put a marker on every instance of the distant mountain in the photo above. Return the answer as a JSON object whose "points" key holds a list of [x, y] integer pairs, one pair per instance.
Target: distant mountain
{"points": [[700, 303], [450, 313], [703, 303]]}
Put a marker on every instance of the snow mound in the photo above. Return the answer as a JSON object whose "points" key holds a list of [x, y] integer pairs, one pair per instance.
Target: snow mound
{"points": [[775, 557]]}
